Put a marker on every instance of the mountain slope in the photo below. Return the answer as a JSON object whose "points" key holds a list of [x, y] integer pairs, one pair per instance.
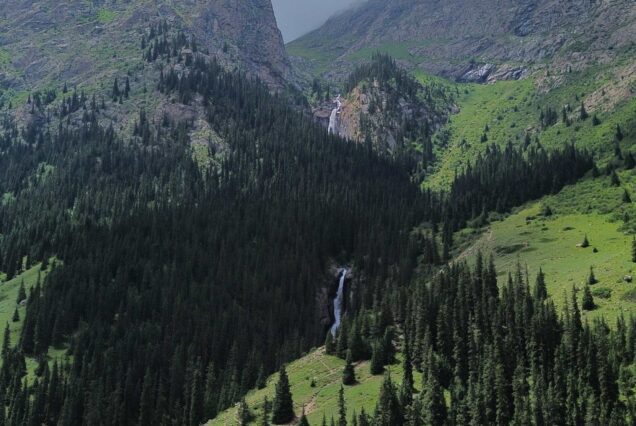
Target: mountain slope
{"points": [[45, 42], [472, 40]]}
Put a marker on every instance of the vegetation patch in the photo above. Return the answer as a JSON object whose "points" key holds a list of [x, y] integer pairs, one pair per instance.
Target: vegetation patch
{"points": [[106, 16], [602, 292]]}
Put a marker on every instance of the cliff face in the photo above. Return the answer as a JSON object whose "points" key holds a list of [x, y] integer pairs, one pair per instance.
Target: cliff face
{"points": [[84, 42], [477, 40]]}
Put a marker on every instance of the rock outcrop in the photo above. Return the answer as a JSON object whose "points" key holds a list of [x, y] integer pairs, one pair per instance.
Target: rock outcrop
{"points": [[86, 42]]}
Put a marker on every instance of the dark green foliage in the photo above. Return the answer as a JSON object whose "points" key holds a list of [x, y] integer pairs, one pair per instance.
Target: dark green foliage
{"points": [[630, 162], [591, 279], [614, 179], [540, 289], [407, 388], [546, 211], [585, 243], [388, 411], [595, 120], [330, 348], [348, 373], [549, 117], [588, 300], [626, 197], [21, 294], [433, 405], [303, 420], [525, 355], [583, 115], [634, 249], [283, 406], [618, 135], [16, 315], [342, 408], [209, 276], [266, 411], [377, 359]]}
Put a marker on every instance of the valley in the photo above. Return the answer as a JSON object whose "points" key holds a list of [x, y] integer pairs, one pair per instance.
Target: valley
{"points": [[416, 214]]}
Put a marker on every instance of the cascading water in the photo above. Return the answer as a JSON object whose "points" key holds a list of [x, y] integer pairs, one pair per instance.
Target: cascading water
{"points": [[337, 303], [333, 119]]}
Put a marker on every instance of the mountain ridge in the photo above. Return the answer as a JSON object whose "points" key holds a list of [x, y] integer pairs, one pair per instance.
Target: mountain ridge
{"points": [[474, 41], [82, 43]]}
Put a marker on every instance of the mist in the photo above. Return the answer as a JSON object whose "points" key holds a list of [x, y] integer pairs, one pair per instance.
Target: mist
{"points": [[298, 17]]}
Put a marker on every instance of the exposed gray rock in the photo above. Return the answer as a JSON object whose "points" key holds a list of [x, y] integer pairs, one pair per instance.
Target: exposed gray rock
{"points": [[447, 38]]}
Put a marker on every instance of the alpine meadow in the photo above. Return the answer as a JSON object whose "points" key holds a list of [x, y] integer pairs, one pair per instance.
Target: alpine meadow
{"points": [[420, 213]]}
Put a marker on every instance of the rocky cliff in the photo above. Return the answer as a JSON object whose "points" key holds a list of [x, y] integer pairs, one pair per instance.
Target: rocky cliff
{"points": [[474, 40], [86, 42]]}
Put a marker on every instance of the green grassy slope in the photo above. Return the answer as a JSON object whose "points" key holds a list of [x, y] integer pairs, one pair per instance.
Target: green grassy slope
{"points": [[534, 242], [321, 399], [8, 297], [511, 109]]}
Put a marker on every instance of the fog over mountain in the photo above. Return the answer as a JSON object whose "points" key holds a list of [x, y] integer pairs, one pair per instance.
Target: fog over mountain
{"points": [[298, 17]]}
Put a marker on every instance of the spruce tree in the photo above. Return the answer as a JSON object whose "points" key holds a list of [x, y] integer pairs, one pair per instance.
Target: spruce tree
{"points": [[388, 411], [6, 341], [433, 404], [283, 407], [116, 92], [406, 390], [630, 162], [21, 293], [588, 299], [266, 410], [244, 415], [583, 113], [540, 289], [619, 133], [330, 346], [634, 249], [614, 179], [626, 198], [586, 242], [377, 357], [363, 418], [342, 408], [591, 279], [16, 315], [303, 420], [348, 373]]}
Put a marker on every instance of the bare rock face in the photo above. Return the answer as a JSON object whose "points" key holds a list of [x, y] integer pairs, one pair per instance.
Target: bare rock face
{"points": [[477, 40], [86, 42]]}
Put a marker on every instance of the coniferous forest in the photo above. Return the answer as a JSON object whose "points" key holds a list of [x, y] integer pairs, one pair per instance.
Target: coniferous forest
{"points": [[177, 288]]}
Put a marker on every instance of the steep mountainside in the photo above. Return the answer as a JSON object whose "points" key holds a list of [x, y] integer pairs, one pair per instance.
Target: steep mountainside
{"points": [[473, 40], [387, 108], [75, 41]]}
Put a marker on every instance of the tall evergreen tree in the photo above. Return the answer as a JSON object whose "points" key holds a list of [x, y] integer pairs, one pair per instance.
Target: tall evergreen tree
{"points": [[342, 408], [588, 300], [348, 373], [540, 289], [388, 411], [283, 407], [433, 405], [377, 359]]}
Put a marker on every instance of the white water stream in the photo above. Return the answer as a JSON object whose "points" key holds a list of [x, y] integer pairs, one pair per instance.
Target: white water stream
{"points": [[333, 119], [337, 303]]}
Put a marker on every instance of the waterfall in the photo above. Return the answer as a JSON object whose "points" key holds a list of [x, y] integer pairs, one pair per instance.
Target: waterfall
{"points": [[333, 119], [337, 303]]}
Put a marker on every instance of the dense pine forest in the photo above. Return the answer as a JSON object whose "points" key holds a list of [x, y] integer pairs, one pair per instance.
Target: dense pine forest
{"points": [[177, 288]]}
